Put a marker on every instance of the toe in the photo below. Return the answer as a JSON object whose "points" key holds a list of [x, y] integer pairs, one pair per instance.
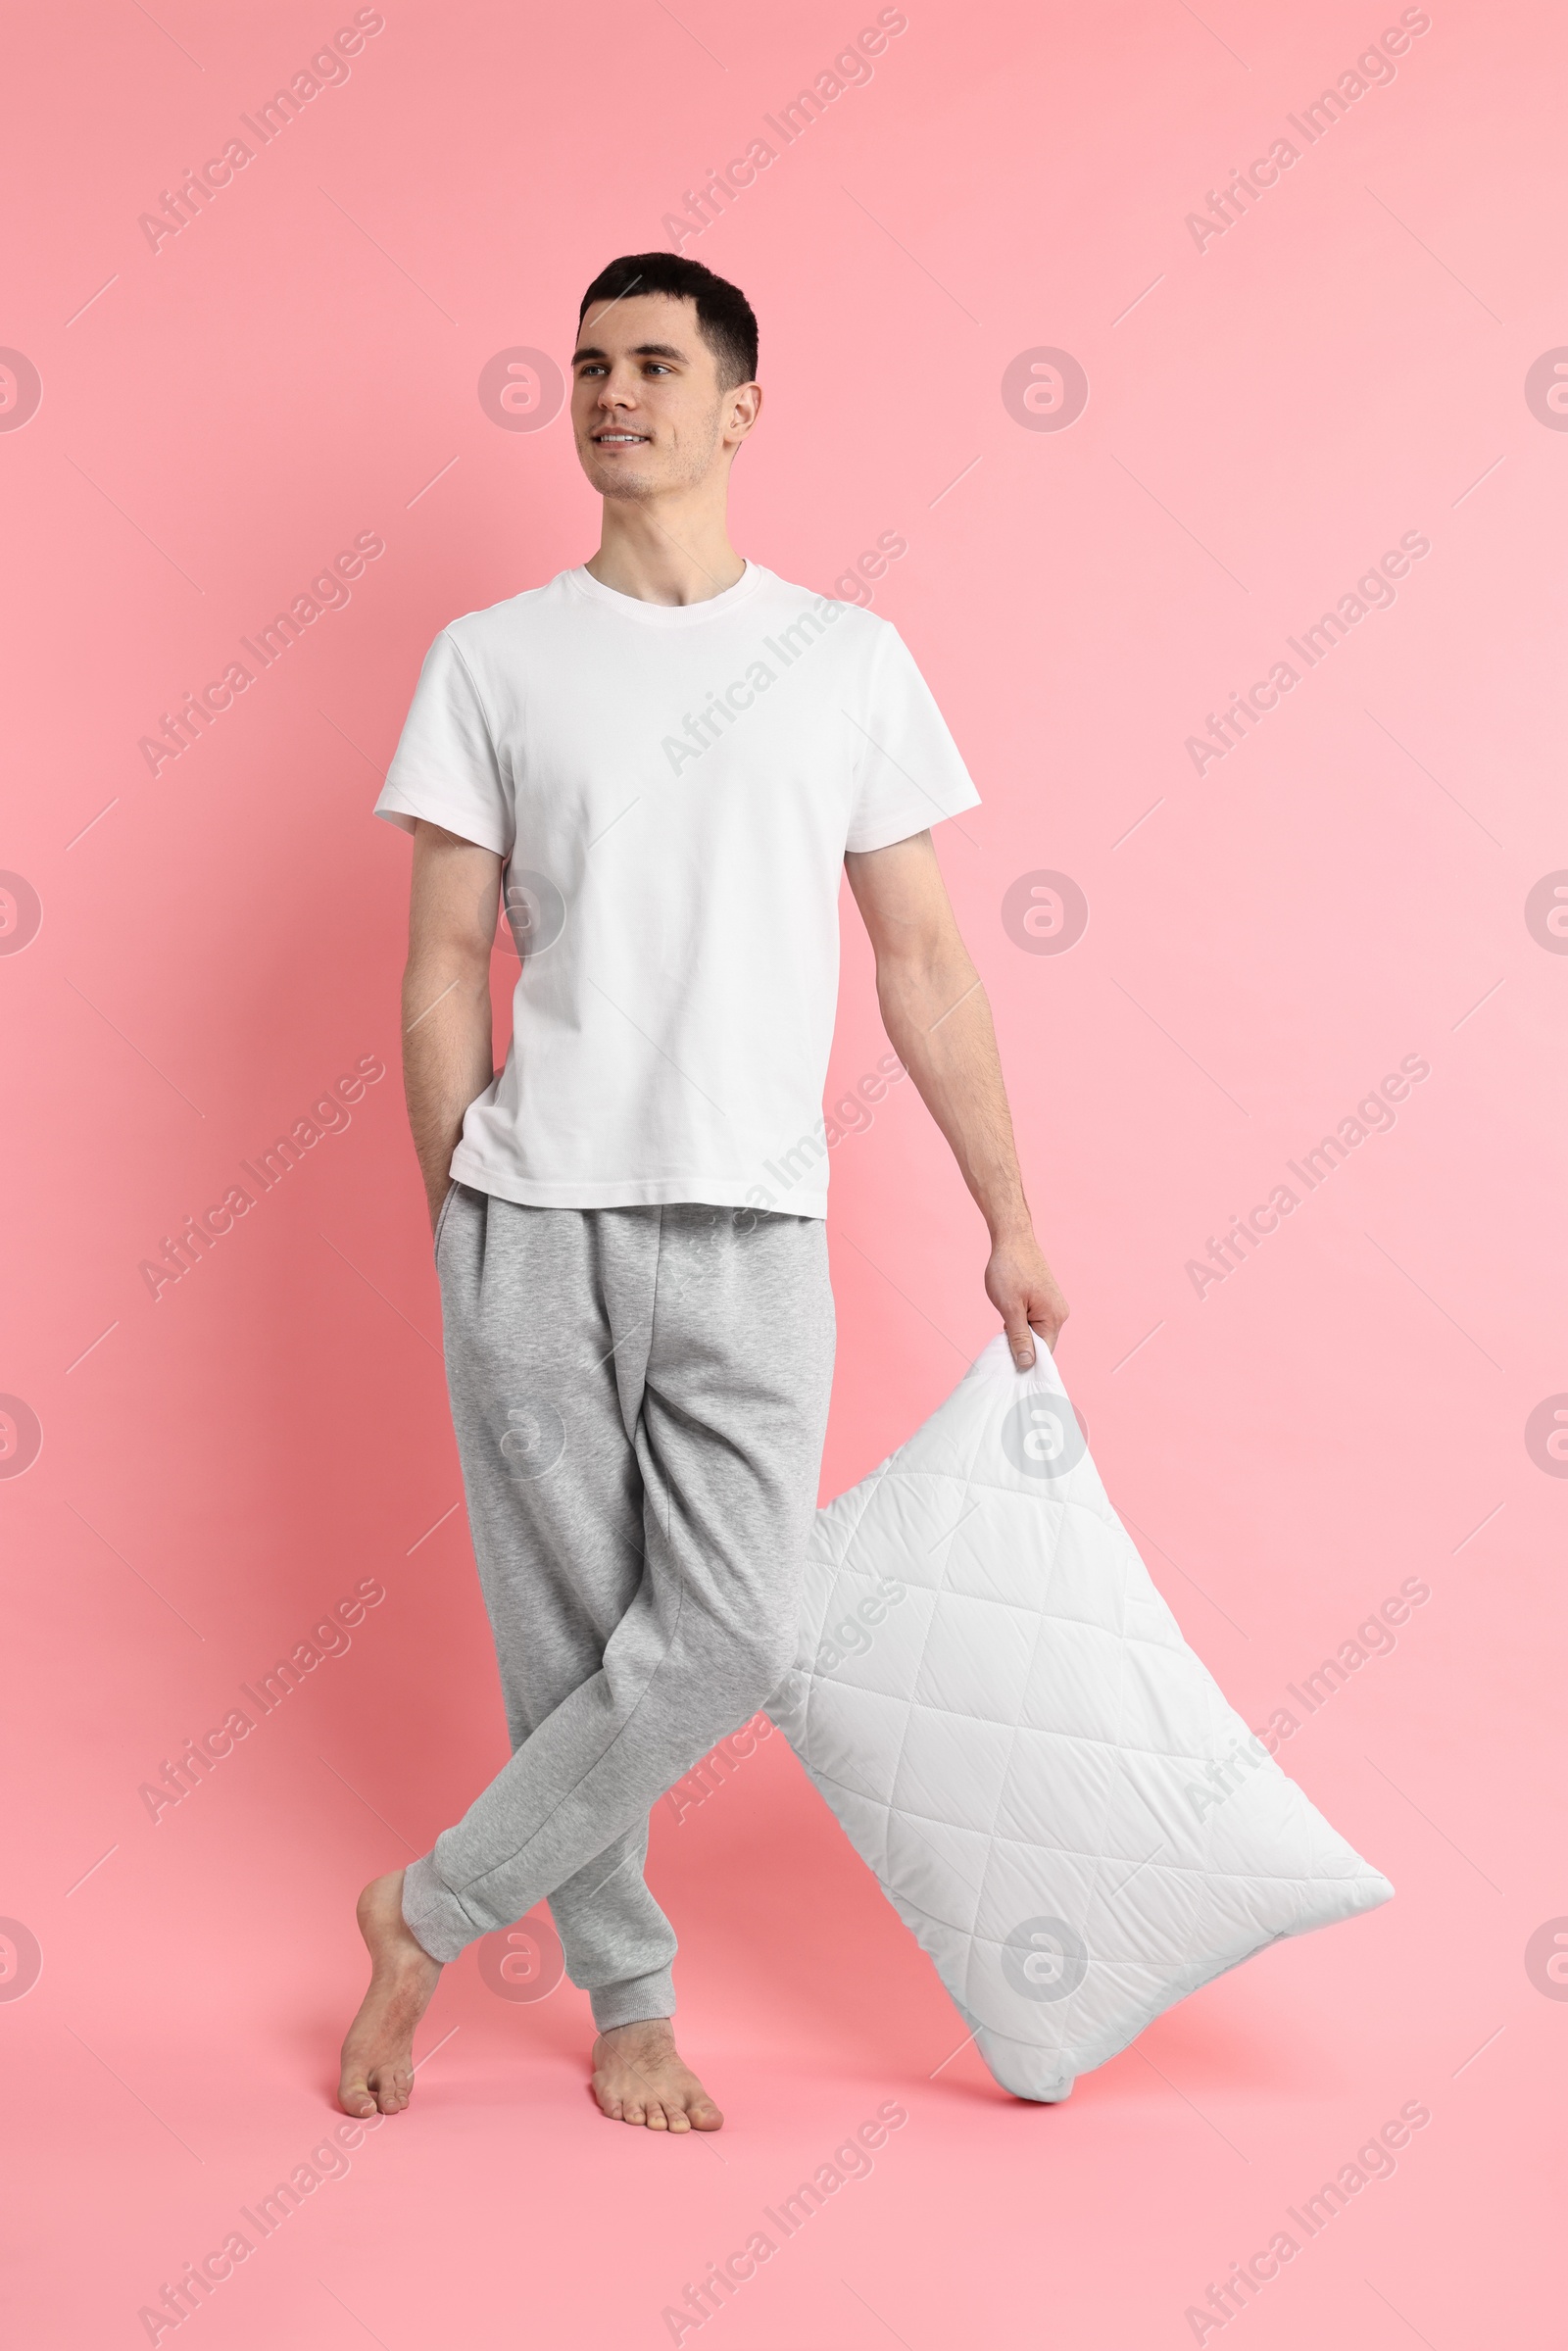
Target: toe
{"points": [[633, 2111], [704, 2115], [680, 2119], [657, 2119]]}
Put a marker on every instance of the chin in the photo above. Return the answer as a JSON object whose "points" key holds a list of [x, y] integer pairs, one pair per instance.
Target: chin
{"points": [[620, 482]]}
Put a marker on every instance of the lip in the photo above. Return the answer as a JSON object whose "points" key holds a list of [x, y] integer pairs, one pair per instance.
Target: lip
{"points": [[619, 439]]}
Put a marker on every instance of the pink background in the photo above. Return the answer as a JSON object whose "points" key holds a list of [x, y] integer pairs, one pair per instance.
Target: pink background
{"points": [[1348, 1409]]}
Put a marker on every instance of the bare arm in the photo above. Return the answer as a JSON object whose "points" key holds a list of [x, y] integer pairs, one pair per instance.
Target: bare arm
{"points": [[446, 994], [939, 1023]]}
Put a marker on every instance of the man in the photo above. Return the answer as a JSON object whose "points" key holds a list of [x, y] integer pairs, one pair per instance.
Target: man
{"points": [[663, 760]]}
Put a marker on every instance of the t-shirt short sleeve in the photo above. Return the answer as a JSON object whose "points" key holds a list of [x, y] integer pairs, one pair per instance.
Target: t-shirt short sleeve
{"points": [[445, 768], [908, 771]]}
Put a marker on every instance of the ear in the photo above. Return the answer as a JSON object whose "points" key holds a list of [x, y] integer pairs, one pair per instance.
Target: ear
{"points": [[744, 405]]}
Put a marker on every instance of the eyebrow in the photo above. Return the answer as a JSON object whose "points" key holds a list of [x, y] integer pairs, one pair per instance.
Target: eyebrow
{"points": [[640, 351]]}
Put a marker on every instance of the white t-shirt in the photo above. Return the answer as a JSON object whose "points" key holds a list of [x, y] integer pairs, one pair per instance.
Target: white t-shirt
{"points": [[673, 788]]}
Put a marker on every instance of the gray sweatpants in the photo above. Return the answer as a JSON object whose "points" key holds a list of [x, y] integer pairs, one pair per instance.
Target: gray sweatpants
{"points": [[639, 1396]]}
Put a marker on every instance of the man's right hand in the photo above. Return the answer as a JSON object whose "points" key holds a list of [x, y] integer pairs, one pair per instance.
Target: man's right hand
{"points": [[453, 903], [1022, 1288]]}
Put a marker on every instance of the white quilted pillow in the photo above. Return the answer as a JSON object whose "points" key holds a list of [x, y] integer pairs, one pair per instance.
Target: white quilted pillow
{"points": [[1049, 1785]]}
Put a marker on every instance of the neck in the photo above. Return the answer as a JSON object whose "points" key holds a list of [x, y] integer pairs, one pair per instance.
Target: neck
{"points": [[668, 551]]}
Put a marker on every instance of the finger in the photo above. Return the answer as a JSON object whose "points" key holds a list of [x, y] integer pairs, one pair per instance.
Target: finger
{"points": [[1021, 1341]]}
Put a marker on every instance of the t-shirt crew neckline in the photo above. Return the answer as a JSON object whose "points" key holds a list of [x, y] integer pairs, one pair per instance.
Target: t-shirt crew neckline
{"points": [[669, 615]]}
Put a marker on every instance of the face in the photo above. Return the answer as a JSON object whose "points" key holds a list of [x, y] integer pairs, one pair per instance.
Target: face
{"points": [[646, 407]]}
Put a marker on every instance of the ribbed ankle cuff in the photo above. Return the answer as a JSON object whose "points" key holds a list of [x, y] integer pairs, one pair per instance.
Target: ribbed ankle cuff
{"points": [[432, 1913], [636, 2000]]}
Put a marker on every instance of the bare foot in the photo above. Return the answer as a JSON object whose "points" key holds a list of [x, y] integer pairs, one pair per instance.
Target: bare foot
{"points": [[378, 2054], [639, 2077]]}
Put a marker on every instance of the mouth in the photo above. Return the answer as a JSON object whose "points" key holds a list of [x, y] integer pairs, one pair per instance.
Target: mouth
{"points": [[620, 440]]}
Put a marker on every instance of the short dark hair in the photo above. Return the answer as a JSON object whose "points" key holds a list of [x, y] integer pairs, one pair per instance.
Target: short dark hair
{"points": [[725, 318]]}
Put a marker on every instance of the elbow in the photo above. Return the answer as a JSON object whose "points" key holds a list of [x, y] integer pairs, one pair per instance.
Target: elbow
{"points": [[450, 967], [454, 947], [921, 984]]}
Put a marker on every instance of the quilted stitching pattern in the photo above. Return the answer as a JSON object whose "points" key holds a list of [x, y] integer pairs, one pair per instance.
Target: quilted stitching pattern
{"points": [[1048, 1784]]}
